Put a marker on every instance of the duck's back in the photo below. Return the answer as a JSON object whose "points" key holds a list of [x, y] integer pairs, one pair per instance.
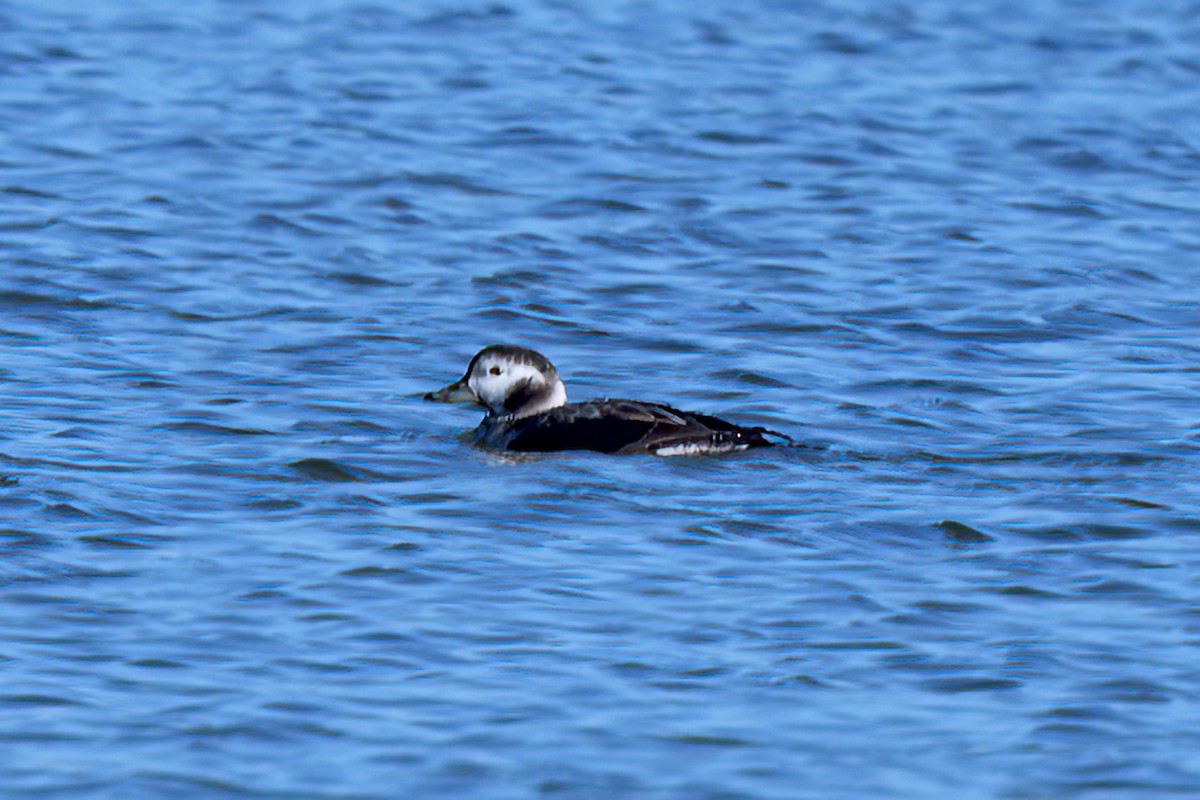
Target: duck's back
{"points": [[622, 426]]}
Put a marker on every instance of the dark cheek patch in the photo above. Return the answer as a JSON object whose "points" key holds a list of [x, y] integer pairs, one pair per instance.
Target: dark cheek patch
{"points": [[519, 395]]}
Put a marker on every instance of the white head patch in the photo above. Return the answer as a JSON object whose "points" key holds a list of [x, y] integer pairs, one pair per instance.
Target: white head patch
{"points": [[496, 376]]}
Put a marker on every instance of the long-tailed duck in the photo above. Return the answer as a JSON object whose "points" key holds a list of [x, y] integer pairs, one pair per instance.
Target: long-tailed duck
{"points": [[527, 411]]}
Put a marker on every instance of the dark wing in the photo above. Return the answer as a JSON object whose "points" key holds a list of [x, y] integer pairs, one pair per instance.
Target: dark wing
{"points": [[630, 426], [758, 433], [604, 425], [701, 433]]}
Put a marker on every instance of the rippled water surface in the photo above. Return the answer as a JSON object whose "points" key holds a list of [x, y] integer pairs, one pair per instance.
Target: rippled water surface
{"points": [[952, 248]]}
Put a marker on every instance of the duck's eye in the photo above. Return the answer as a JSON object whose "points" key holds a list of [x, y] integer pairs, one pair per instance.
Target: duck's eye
{"points": [[494, 370]]}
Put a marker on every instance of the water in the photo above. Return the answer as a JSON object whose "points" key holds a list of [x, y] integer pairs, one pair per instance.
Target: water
{"points": [[954, 248]]}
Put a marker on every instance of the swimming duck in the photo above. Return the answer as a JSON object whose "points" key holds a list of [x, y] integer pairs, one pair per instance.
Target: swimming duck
{"points": [[527, 411]]}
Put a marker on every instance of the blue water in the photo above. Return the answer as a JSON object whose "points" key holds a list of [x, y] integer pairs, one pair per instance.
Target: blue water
{"points": [[951, 247]]}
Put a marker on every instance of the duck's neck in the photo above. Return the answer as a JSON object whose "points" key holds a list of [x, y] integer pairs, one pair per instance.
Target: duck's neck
{"points": [[527, 399]]}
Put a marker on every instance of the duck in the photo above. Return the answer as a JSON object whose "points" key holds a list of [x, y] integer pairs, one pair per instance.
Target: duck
{"points": [[526, 410]]}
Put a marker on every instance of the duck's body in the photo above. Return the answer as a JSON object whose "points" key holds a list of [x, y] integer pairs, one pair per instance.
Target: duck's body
{"points": [[527, 411]]}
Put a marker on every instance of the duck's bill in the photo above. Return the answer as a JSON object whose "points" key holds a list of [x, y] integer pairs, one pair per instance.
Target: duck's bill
{"points": [[457, 392]]}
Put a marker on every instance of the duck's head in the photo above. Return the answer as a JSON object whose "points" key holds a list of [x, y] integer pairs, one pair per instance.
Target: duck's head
{"points": [[507, 380]]}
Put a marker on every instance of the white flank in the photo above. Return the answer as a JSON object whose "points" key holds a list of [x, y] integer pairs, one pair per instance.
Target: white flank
{"points": [[699, 448]]}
